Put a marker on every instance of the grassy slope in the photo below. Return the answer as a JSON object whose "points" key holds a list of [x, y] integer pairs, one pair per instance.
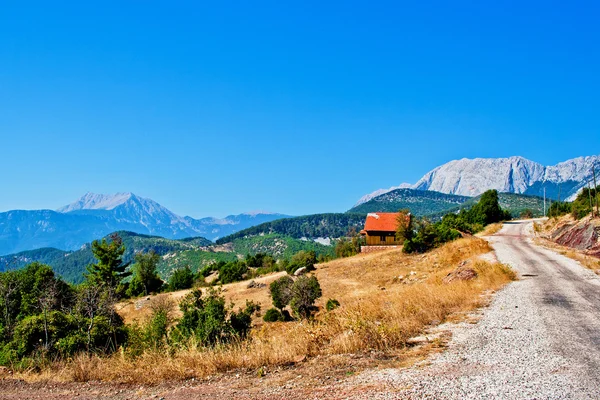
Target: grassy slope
{"points": [[369, 319]]}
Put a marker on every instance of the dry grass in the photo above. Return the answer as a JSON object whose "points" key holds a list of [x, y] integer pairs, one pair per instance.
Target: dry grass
{"points": [[379, 312], [491, 229]]}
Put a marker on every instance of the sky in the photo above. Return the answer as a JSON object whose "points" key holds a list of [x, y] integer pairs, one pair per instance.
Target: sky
{"points": [[218, 108]]}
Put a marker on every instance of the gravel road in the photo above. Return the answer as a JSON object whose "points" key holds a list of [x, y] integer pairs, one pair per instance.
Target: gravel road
{"points": [[539, 339]]}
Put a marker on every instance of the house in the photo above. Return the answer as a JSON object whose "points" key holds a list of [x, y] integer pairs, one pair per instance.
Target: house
{"points": [[380, 232]]}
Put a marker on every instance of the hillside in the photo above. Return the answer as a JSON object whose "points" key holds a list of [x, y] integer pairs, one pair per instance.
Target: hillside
{"points": [[308, 226], [515, 203], [419, 202], [193, 252]]}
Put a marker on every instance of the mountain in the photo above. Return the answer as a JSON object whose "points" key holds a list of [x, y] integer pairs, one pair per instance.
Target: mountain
{"points": [[471, 177], [96, 215], [419, 202], [193, 252]]}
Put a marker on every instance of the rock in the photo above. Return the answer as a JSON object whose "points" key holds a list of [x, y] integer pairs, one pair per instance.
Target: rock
{"points": [[256, 285], [461, 274], [300, 271]]}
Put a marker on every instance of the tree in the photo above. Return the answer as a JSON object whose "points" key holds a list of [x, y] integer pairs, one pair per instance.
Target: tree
{"points": [[145, 279], [487, 210], [110, 269], [95, 304], [281, 291], [182, 278], [305, 291], [405, 228]]}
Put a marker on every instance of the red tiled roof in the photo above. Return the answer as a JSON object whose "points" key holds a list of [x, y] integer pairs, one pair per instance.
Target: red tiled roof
{"points": [[386, 222]]}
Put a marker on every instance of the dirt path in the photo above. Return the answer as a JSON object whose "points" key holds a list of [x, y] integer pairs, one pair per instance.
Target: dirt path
{"points": [[540, 338]]}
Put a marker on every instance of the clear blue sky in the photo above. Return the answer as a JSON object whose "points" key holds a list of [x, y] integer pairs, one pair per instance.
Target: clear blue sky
{"points": [[213, 108]]}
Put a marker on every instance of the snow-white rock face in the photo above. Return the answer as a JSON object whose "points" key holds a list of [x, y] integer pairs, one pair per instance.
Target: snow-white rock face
{"points": [[93, 201], [379, 192], [471, 177]]}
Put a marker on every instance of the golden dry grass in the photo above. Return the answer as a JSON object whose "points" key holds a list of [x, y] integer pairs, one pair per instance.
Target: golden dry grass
{"points": [[491, 229], [386, 298]]}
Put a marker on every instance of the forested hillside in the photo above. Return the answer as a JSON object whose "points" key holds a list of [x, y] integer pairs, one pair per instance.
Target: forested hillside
{"points": [[419, 202], [308, 226], [193, 252]]}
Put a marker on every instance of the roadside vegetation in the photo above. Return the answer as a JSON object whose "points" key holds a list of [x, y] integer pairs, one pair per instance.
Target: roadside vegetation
{"points": [[586, 201]]}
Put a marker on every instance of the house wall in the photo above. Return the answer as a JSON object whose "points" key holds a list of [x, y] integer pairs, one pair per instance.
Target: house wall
{"points": [[374, 239]]}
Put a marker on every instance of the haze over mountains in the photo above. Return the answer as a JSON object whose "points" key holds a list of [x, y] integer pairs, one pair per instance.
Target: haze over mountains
{"points": [[471, 177], [96, 215]]}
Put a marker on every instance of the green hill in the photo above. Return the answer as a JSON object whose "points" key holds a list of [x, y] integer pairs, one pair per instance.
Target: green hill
{"points": [[307, 226], [419, 202], [195, 252], [515, 203]]}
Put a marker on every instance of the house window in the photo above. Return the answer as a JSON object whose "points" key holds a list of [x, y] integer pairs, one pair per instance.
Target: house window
{"points": [[382, 238]]}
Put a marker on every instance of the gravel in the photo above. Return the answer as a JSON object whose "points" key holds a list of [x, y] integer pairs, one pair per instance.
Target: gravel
{"points": [[539, 339]]}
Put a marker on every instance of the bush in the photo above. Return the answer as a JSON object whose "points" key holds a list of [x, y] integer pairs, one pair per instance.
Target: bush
{"points": [[145, 279], [559, 208], [182, 278], [209, 321], [273, 315], [332, 304], [526, 214], [281, 291], [232, 272], [302, 259]]}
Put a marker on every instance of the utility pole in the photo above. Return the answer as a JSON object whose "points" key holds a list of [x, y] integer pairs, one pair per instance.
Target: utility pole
{"points": [[595, 188], [590, 196], [544, 201]]}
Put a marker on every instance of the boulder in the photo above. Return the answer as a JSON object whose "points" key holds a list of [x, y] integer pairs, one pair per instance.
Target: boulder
{"points": [[300, 271], [256, 285], [461, 274]]}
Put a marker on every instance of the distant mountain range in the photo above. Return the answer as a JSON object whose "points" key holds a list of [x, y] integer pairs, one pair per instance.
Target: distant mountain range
{"points": [[96, 215], [471, 177]]}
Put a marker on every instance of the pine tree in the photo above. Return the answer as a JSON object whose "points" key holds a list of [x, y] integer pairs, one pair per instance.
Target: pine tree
{"points": [[110, 269]]}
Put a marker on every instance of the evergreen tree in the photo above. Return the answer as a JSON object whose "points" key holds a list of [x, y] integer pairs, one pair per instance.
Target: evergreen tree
{"points": [[110, 269], [145, 279]]}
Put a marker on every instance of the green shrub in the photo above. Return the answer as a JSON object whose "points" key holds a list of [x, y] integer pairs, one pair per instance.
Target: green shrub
{"points": [[558, 209], [332, 304], [182, 278], [145, 279], [281, 291], [232, 272], [302, 259], [273, 315], [209, 321]]}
